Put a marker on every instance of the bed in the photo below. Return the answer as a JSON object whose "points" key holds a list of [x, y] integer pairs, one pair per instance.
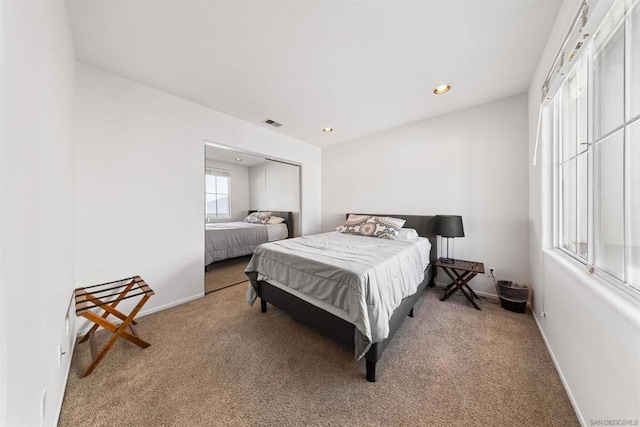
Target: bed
{"points": [[314, 311], [225, 240]]}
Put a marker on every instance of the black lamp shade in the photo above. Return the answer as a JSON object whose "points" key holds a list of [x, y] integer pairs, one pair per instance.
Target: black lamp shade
{"points": [[449, 226]]}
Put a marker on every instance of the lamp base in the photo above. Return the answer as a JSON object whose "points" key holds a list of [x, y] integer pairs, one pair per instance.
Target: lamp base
{"points": [[447, 260]]}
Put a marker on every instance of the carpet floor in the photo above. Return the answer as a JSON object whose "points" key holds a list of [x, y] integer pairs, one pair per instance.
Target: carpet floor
{"points": [[217, 361], [225, 273]]}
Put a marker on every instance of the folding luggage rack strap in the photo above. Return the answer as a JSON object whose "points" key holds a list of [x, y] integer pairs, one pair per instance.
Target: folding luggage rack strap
{"points": [[106, 297]]}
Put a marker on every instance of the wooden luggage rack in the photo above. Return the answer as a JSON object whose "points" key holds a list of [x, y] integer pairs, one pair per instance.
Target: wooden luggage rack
{"points": [[106, 297]]}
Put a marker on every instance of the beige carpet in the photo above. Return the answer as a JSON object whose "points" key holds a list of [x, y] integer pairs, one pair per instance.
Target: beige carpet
{"points": [[217, 361], [225, 273]]}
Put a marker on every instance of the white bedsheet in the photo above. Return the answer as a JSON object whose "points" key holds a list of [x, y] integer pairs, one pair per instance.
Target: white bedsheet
{"points": [[359, 279]]}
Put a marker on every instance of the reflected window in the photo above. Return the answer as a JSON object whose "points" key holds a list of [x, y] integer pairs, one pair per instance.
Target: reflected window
{"points": [[217, 184]]}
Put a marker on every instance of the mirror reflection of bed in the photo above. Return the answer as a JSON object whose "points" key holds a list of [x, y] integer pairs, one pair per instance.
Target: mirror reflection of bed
{"points": [[249, 200]]}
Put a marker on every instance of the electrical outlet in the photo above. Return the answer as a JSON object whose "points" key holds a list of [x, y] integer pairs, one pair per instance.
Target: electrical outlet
{"points": [[60, 354], [492, 271]]}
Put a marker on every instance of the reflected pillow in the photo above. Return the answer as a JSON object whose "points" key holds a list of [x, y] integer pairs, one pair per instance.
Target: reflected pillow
{"points": [[275, 220], [383, 227], [258, 217]]}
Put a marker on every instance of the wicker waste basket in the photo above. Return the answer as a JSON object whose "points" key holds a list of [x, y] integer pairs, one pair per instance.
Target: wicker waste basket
{"points": [[513, 295]]}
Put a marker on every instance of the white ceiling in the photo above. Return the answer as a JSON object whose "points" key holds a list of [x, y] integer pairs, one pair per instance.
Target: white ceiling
{"points": [[229, 156], [360, 67]]}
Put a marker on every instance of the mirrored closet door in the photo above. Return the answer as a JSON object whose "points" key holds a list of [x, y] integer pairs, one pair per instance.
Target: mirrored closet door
{"points": [[237, 183]]}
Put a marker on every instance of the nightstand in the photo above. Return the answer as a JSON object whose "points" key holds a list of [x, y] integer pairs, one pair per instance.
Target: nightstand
{"points": [[461, 272]]}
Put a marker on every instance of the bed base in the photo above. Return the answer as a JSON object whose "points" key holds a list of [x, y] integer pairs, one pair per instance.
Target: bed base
{"points": [[334, 327], [340, 330]]}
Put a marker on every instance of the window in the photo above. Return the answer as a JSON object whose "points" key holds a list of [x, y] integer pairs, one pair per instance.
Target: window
{"points": [[597, 151], [217, 184]]}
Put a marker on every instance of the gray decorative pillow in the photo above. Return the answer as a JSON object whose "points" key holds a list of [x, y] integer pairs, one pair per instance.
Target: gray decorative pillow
{"points": [[258, 217], [383, 227]]}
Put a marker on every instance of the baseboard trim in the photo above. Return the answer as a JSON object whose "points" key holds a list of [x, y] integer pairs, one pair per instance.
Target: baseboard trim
{"points": [[67, 371], [83, 331], [171, 304], [486, 295], [441, 286], [565, 384], [143, 313]]}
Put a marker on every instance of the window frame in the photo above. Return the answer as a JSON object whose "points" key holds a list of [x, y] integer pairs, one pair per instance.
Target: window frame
{"points": [[557, 101], [215, 217]]}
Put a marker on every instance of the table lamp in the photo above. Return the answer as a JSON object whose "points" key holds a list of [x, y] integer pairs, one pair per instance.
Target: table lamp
{"points": [[449, 226]]}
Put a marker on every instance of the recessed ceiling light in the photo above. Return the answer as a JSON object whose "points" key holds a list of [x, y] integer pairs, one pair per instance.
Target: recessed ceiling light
{"points": [[327, 130], [441, 89], [238, 160]]}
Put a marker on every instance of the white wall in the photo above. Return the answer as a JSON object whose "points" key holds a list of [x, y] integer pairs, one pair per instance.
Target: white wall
{"points": [[283, 190], [283, 186], [37, 209], [239, 191], [257, 188], [470, 163], [141, 182], [276, 186], [592, 329]]}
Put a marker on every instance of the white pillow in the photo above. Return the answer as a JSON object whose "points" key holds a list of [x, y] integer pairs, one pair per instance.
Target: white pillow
{"points": [[276, 220], [407, 234]]}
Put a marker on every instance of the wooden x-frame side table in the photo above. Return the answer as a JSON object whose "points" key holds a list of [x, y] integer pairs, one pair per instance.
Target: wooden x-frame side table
{"points": [[106, 297], [461, 272]]}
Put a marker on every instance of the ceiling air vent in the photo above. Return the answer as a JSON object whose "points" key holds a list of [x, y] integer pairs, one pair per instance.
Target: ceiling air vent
{"points": [[272, 123]]}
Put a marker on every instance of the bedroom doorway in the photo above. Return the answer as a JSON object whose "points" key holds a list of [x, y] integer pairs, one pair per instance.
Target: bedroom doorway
{"points": [[236, 184]]}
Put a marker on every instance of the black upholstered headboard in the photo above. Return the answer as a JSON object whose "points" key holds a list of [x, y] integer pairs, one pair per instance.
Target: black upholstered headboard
{"points": [[423, 224], [288, 219]]}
